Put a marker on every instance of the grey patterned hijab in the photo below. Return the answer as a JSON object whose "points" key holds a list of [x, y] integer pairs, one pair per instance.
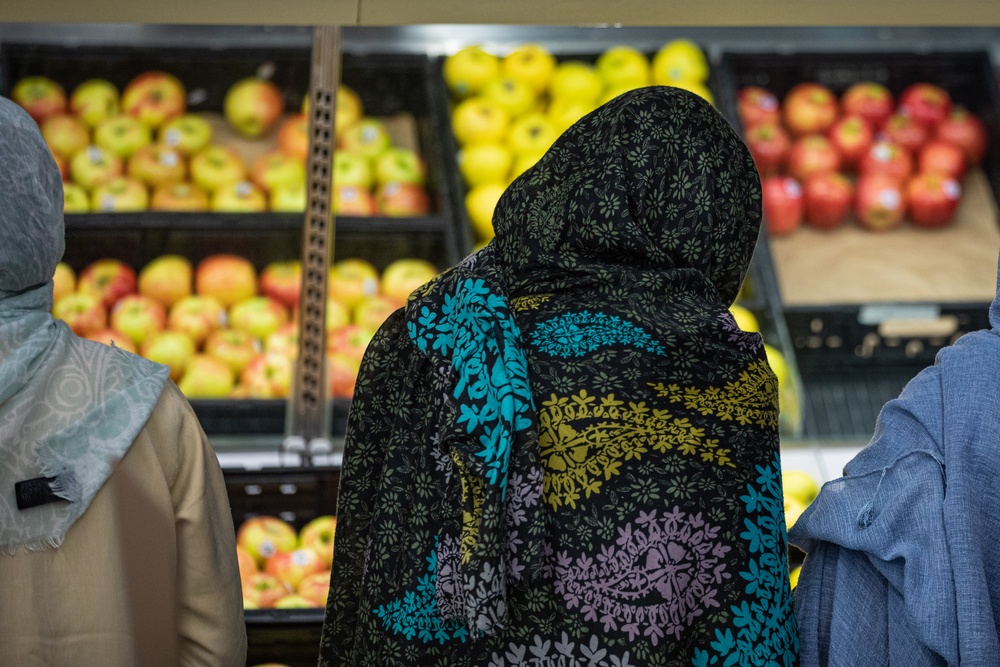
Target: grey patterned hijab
{"points": [[69, 408]]}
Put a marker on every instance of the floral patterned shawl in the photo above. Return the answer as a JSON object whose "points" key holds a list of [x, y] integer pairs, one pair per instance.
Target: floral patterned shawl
{"points": [[563, 451]]}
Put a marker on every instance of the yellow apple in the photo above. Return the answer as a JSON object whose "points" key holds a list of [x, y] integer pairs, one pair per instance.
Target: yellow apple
{"points": [[120, 194], [679, 60], [564, 111], [94, 166], [253, 106], [745, 319], [138, 317], [64, 281], [214, 166], [188, 134], [75, 199], [531, 63], [402, 276], [349, 109], [316, 587], [469, 69], [94, 100], [484, 163], [167, 279], [268, 375], [577, 80], [170, 348], [699, 89], [228, 278], [523, 162], [238, 197], [318, 535], [479, 120], [515, 96], [793, 510], [291, 567], [258, 315], [206, 377], [65, 134], [799, 485], [197, 315], [351, 279], [480, 203], [234, 348], [262, 590], [532, 133], [623, 65], [265, 536]]}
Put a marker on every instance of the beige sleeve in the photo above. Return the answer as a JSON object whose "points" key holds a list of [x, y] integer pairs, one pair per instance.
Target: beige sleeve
{"points": [[211, 627]]}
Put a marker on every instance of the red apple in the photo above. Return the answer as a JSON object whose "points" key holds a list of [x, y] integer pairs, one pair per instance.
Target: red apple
{"points": [[63, 165], [318, 535], [350, 340], [879, 202], [120, 195], [757, 105], [932, 199], [206, 377], [198, 316], [246, 562], [887, 158], [234, 348], [253, 106], [83, 313], [282, 281], [809, 108], [291, 567], [926, 103], [769, 144], [227, 278], [316, 588], [828, 200], [65, 135], [63, 281], [94, 100], [942, 156], [40, 96], [372, 311], [166, 279], [265, 536], [353, 200], [964, 129], [138, 317], [402, 276], [263, 590], [812, 154], [259, 316], [108, 279], [869, 100], [157, 166], [179, 197], [906, 132], [352, 279], [397, 200], [293, 137], [154, 98], [852, 136], [268, 375], [113, 338], [122, 135], [170, 348], [342, 374], [783, 204]]}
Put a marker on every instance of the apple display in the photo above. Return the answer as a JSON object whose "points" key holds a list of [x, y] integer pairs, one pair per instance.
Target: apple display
{"points": [[166, 279], [564, 111], [258, 315], [62, 164], [282, 281], [75, 199], [531, 63], [800, 485], [879, 202], [623, 65], [269, 375], [318, 535], [238, 197], [342, 374], [926, 103], [965, 130], [63, 281], [83, 313], [399, 200], [234, 348], [480, 202], [291, 567], [372, 311], [402, 276], [757, 105], [65, 135], [515, 96], [576, 79], [783, 204], [368, 136], [206, 377], [932, 199], [906, 132], [293, 136], [284, 341], [809, 108], [170, 348], [353, 200], [468, 70], [851, 136], [349, 108], [294, 601], [94, 166], [40, 96], [887, 158], [253, 106], [157, 166], [479, 120], [810, 155], [93, 101], [349, 340], [870, 100], [114, 339], [246, 563], [679, 60], [138, 317], [108, 279], [793, 510], [289, 198], [352, 279], [316, 588], [215, 166], [533, 133], [276, 169], [228, 278], [196, 315], [122, 135], [400, 165], [484, 163], [154, 98], [942, 157], [263, 590], [179, 197], [122, 194], [188, 134], [769, 145], [352, 168], [829, 198]]}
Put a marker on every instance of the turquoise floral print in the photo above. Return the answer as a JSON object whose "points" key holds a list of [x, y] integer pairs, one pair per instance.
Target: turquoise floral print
{"points": [[577, 334]]}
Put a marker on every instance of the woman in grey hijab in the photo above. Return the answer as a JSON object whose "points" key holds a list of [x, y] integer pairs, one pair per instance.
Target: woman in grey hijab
{"points": [[902, 564], [116, 538]]}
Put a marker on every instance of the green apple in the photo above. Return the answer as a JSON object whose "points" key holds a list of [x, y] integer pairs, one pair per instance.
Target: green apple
{"points": [[368, 136], [122, 194], [122, 135], [253, 106], [479, 120], [469, 69], [215, 166], [318, 535], [259, 316], [94, 166], [65, 134], [93, 101], [75, 199], [276, 170], [623, 66], [484, 163], [188, 133], [514, 95], [154, 98], [196, 315], [40, 96], [138, 317], [289, 198], [170, 348], [532, 134], [679, 60], [578, 80], [239, 197], [206, 377], [352, 168], [400, 165], [531, 63]]}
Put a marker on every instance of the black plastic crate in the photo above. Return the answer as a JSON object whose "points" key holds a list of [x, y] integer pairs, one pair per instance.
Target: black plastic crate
{"points": [[833, 341]]}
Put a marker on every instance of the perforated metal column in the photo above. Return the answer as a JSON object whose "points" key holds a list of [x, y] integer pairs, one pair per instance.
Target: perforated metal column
{"points": [[308, 414]]}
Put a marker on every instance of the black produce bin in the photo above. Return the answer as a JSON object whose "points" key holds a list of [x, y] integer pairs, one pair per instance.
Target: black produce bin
{"points": [[850, 363], [388, 85]]}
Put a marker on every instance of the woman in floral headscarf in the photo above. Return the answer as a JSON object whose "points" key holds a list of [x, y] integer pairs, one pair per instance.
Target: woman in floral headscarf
{"points": [[563, 451], [116, 538]]}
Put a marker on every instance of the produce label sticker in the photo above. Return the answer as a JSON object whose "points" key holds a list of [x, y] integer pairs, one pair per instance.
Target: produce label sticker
{"points": [[879, 313]]}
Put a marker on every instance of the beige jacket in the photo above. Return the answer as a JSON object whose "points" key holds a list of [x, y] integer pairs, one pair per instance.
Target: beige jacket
{"points": [[147, 576]]}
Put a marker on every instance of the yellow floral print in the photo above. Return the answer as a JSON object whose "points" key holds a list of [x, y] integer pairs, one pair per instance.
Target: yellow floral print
{"points": [[530, 302], [472, 490]]}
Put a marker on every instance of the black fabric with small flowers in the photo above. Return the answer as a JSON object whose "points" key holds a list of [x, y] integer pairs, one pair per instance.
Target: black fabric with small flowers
{"points": [[563, 451]]}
